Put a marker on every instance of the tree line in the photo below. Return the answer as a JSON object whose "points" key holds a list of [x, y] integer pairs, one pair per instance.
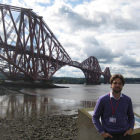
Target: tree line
{"points": [[72, 80]]}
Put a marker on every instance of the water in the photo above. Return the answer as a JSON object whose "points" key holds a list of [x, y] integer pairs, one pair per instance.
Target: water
{"points": [[60, 100]]}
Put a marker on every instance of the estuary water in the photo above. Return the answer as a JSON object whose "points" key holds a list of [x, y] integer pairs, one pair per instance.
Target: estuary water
{"points": [[36, 102]]}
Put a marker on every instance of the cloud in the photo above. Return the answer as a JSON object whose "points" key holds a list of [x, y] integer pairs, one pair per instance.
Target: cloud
{"points": [[68, 71], [94, 48], [70, 20], [126, 71], [125, 24], [129, 60]]}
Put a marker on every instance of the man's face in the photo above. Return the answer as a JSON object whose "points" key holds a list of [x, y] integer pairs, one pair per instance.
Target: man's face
{"points": [[117, 85]]}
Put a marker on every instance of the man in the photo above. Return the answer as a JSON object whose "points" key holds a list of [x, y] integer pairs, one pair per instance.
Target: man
{"points": [[116, 112]]}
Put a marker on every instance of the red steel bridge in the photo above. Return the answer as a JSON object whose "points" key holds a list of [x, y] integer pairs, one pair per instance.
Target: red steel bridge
{"points": [[30, 51]]}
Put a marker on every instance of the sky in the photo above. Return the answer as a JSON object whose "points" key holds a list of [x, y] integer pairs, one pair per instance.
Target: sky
{"points": [[106, 29]]}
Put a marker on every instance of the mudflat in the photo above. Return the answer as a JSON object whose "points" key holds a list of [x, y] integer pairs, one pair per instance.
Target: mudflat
{"points": [[47, 127]]}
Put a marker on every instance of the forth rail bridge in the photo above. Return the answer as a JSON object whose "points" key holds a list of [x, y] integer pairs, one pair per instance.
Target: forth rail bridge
{"points": [[30, 51]]}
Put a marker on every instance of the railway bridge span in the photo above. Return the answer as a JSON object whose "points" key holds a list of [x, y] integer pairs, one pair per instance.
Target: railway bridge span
{"points": [[30, 51]]}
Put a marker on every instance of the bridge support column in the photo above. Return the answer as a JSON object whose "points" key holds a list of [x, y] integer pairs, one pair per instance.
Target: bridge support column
{"points": [[107, 75], [106, 79], [92, 78]]}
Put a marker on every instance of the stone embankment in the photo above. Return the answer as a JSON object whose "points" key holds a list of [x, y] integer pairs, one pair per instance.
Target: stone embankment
{"points": [[49, 127]]}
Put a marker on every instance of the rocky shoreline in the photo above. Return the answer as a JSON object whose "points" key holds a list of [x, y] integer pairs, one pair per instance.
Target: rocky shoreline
{"points": [[54, 127], [47, 127]]}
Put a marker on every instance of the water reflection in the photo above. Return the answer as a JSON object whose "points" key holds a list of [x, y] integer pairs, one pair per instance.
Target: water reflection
{"points": [[88, 104], [33, 106], [59, 100]]}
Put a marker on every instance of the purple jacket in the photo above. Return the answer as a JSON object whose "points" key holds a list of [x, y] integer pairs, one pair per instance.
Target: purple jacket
{"points": [[124, 115]]}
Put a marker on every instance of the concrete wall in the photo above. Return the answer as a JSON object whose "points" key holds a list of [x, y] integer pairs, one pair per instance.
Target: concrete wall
{"points": [[87, 131]]}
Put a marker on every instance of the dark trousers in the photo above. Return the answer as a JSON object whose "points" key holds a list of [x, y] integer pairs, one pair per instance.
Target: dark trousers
{"points": [[119, 137]]}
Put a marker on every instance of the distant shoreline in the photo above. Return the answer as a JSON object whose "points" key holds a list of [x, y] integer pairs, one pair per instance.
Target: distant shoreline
{"points": [[19, 85]]}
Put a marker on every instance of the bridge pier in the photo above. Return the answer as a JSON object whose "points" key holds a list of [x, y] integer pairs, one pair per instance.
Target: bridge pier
{"points": [[107, 75], [106, 79], [92, 78]]}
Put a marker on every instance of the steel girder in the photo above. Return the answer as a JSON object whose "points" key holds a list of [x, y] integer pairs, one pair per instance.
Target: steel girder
{"points": [[28, 48]]}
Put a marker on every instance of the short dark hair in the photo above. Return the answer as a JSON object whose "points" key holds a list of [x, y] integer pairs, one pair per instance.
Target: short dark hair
{"points": [[117, 76]]}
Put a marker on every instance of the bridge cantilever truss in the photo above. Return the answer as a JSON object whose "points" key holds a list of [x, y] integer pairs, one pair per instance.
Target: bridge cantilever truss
{"points": [[30, 51], [92, 70], [28, 46]]}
